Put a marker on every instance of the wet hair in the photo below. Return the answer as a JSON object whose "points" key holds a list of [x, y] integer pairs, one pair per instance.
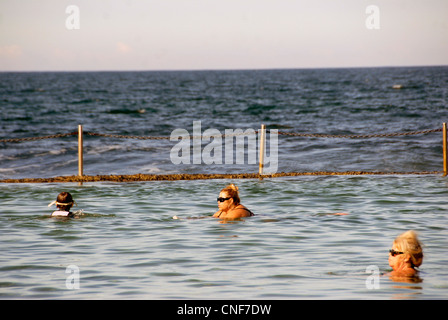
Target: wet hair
{"points": [[64, 201], [408, 243], [232, 191]]}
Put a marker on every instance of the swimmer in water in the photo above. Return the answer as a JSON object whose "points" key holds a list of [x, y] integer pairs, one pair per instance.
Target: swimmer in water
{"points": [[405, 256], [229, 204], [64, 203]]}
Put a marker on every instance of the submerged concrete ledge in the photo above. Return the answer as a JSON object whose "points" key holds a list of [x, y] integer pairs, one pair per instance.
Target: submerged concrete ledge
{"points": [[173, 177]]}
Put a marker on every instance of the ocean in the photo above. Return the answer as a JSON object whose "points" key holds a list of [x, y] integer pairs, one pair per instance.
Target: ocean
{"points": [[125, 243]]}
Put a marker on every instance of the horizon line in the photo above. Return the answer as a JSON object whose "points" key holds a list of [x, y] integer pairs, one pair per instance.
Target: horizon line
{"points": [[224, 69]]}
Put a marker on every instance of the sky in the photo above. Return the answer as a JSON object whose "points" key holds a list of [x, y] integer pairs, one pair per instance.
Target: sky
{"points": [[103, 35]]}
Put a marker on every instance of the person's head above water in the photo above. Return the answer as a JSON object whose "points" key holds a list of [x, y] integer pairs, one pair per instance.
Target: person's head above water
{"points": [[229, 204], [230, 192], [406, 254], [64, 201]]}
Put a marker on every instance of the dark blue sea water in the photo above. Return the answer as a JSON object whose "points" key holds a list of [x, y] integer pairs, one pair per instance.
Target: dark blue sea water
{"points": [[126, 243], [326, 101]]}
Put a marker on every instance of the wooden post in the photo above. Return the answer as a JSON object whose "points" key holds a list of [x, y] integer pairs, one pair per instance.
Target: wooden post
{"points": [[262, 145], [445, 156], [80, 152]]}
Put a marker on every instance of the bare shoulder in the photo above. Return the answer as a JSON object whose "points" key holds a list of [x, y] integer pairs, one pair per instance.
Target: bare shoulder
{"points": [[239, 212], [217, 214]]}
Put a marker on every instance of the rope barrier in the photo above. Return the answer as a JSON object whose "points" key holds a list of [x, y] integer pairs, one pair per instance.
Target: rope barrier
{"points": [[308, 135], [244, 133], [40, 138], [143, 177], [124, 136]]}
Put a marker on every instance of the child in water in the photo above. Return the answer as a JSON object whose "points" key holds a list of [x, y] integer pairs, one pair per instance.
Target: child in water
{"points": [[64, 203]]}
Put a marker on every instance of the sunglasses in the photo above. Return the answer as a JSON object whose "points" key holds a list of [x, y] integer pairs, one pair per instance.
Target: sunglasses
{"points": [[394, 253], [222, 199]]}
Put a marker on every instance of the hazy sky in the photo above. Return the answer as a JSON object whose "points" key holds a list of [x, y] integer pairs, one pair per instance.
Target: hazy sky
{"points": [[220, 34]]}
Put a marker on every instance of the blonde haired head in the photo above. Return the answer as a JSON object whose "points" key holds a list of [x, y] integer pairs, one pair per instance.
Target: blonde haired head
{"points": [[232, 192], [408, 243]]}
